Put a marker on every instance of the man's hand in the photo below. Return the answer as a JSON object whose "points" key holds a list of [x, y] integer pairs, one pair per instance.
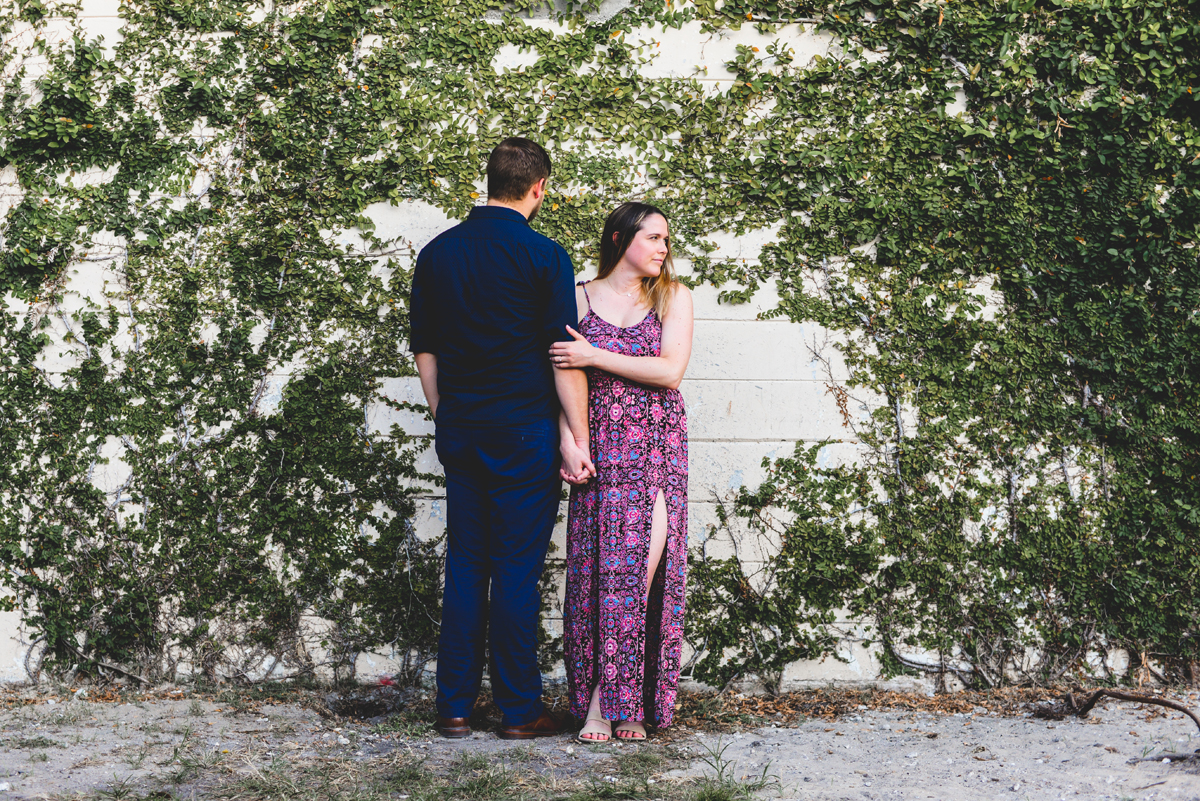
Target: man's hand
{"points": [[577, 467]]}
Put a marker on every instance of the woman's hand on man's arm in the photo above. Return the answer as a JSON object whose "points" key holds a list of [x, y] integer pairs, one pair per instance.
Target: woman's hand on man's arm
{"points": [[576, 355], [665, 370]]}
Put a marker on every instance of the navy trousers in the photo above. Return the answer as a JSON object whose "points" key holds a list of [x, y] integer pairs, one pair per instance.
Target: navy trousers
{"points": [[502, 495]]}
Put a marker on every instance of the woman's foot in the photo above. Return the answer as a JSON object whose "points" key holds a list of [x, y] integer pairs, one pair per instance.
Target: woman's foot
{"points": [[631, 730], [595, 730]]}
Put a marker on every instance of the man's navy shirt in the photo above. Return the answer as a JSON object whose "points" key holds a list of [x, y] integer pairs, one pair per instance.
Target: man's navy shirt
{"points": [[489, 297]]}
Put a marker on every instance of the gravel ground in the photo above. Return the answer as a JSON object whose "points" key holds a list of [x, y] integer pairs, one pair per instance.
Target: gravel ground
{"points": [[62, 746], [887, 754]]}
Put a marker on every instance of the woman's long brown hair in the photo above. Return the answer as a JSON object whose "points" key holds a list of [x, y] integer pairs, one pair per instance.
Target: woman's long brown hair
{"points": [[625, 221]]}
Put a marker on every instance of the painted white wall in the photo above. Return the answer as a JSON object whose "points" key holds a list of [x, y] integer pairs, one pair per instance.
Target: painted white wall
{"points": [[753, 388]]}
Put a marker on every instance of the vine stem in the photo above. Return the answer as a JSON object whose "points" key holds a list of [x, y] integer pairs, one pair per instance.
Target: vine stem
{"points": [[115, 668]]}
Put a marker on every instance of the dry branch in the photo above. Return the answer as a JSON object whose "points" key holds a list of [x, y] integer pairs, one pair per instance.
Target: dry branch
{"points": [[1069, 706], [1168, 758]]}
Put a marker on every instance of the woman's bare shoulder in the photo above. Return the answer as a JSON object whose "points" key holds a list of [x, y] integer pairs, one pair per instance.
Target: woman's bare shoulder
{"points": [[679, 308], [681, 293], [581, 301]]}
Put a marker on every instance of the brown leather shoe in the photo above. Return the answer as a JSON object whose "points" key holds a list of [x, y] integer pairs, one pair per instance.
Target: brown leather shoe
{"points": [[454, 728], [547, 725]]}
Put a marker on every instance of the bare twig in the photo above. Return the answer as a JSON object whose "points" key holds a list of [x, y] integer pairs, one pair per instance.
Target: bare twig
{"points": [[1069, 705], [1169, 758]]}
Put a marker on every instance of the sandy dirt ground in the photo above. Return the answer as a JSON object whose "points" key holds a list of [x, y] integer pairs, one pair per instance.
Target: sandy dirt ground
{"points": [[893, 755], [66, 746]]}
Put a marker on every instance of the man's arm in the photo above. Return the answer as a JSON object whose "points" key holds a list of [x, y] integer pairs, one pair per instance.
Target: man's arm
{"points": [[572, 389], [427, 368]]}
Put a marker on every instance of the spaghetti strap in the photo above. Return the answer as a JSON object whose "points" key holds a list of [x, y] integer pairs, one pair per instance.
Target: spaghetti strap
{"points": [[583, 285]]}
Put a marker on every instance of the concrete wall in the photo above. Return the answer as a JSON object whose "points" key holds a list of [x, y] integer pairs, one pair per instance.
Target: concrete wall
{"points": [[753, 388]]}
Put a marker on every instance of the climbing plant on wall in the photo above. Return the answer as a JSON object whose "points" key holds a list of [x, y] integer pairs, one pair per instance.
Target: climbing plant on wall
{"points": [[1018, 285], [200, 315]]}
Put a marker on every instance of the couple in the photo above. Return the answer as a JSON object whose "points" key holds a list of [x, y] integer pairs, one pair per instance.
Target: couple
{"points": [[532, 380]]}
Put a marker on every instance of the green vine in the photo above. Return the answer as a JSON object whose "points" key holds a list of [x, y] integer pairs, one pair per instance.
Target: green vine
{"points": [[1018, 287]]}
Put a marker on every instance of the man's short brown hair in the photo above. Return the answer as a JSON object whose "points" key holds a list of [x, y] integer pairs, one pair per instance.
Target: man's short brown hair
{"points": [[515, 165]]}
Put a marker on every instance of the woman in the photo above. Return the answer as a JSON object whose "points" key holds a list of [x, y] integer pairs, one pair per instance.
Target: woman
{"points": [[627, 528]]}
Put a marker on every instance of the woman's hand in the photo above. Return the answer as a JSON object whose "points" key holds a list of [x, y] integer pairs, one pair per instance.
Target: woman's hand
{"points": [[577, 354], [577, 467]]}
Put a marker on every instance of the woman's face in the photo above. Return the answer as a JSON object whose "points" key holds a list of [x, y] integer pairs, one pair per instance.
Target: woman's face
{"points": [[649, 247]]}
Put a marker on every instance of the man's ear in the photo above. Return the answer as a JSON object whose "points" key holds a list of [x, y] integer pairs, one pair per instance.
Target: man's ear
{"points": [[539, 188]]}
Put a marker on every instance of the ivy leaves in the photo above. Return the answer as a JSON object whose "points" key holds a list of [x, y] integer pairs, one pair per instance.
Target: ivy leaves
{"points": [[1028, 439]]}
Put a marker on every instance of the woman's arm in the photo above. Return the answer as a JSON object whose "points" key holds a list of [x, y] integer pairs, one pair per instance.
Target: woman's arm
{"points": [[665, 370]]}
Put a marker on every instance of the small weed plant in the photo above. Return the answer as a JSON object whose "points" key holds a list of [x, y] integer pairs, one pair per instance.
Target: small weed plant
{"points": [[723, 784]]}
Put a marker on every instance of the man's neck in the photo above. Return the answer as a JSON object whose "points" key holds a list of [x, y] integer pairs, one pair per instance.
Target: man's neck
{"points": [[521, 208]]}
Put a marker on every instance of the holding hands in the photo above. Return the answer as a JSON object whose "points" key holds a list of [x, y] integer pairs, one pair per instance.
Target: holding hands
{"points": [[574, 446], [577, 467], [573, 355]]}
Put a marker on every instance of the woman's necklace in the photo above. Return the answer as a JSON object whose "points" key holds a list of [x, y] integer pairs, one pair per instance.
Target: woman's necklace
{"points": [[628, 294]]}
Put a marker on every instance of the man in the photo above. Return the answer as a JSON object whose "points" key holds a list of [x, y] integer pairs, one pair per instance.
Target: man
{"points": [[489, 296]]}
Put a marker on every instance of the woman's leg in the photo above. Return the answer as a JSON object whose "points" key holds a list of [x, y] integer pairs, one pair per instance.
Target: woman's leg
{"points": [[636, 729], [658, 539]]}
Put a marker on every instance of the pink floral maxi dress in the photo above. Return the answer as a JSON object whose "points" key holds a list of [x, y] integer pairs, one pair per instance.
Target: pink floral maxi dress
{"points": [[639, 446]]}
